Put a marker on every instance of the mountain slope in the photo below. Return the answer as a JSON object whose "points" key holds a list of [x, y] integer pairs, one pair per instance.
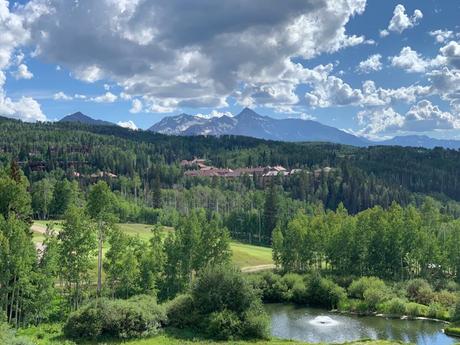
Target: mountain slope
{"points": [[82, 118], [249, 123]]}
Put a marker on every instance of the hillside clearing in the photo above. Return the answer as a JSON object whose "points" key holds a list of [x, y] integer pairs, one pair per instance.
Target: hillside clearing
{"points": [[248, 257]]}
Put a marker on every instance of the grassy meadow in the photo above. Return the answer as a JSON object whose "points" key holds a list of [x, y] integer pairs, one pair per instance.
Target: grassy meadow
{"points": [[244, 256]]}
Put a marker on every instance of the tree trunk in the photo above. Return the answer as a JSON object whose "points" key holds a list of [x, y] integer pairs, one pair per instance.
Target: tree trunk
{"points": [[99, 262]]}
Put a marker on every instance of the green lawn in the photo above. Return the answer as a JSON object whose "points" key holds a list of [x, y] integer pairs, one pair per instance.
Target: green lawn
{"points": [[244, 255]]}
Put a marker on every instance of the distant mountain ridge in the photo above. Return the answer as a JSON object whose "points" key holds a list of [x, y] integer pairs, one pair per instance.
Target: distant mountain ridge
{"points": [[420, 141], [249, 123], [82, 118]]}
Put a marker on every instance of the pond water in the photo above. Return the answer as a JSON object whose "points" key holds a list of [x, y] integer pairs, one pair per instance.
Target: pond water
{"points": [[317, 325]]}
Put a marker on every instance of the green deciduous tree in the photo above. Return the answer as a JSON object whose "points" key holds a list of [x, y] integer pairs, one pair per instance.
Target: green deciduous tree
{"points": [[77, 250]]}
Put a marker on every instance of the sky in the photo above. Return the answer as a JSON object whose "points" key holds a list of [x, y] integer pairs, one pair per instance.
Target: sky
{"points": [[373, 68]]}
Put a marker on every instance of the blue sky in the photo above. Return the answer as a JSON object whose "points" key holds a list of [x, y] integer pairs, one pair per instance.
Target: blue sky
{"points": [[374, 68]]}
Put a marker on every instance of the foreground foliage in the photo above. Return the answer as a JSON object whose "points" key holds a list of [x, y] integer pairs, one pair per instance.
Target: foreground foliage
{"points": [[51, 335], [137, 317], [222, 305]]}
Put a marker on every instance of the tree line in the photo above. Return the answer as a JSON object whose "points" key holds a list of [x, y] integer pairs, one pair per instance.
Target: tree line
{"points": [[394, 244]]}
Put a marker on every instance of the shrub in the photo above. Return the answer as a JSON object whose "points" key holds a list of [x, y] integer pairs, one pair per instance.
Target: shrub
{"points": [[224, 325], [418, 290], [324, 292], [445, 298], [180, 311], [300, 293], [136, 317], [222, 287], [374, 296], [227, 305], [273, 289], [395, 306], [362, 307], [256, 324], [456, 313], [8, 337], [415, 309], [436, 311], [452, 286], [358, 287], [289, 281]]}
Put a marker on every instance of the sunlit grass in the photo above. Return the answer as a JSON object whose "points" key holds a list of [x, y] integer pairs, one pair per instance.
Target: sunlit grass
{"points": [[243, 255]]}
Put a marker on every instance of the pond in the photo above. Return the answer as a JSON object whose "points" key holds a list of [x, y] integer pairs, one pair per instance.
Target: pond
{"points": [[317, 325]]}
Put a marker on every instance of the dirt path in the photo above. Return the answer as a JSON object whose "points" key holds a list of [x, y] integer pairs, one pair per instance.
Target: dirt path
{"points": [[259, 268]]}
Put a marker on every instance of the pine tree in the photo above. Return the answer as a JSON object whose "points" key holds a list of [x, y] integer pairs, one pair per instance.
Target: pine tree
{"points": [[157, 202], [270, 209]]}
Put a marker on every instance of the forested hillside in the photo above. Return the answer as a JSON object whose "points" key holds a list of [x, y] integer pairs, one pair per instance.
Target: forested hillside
{"points": [[362, 177]]}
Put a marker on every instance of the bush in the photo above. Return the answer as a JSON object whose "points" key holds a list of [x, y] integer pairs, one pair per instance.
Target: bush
{"points": [[395, 306], [374, 296], [445, 298], [300, 293], [8, 337], [323, 292], [273, 289], [456, 313], [415, 309], [452, 286], [418, 290], [436, 311], [218, 288], [227, 305], [137, 317], [256, 324], [181, 312], [358, 287], [224, 325], [288, 282]]}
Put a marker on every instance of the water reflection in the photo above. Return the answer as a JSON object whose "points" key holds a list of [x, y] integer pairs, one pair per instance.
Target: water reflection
{"points": [[305, 324]]}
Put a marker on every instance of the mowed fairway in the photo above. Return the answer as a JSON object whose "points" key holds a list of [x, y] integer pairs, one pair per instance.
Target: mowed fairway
{"points": [[248, 257]]}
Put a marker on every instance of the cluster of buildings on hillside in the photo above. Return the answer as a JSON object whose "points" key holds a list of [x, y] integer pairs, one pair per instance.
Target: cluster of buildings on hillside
{"points": [[201, 169]]}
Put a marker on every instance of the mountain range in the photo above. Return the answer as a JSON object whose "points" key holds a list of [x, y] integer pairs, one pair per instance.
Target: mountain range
{"points": [[251, 124]]}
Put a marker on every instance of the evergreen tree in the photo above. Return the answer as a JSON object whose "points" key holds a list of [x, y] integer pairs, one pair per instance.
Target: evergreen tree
{"points": [[156, 202], [271, 209]]}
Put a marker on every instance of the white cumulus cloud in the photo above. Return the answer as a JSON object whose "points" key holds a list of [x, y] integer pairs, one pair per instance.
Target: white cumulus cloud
{"points": [[61, 96], [195, 56], [136, 106], [401, 21], [108, 97], [22, 72], [372, 64]]}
